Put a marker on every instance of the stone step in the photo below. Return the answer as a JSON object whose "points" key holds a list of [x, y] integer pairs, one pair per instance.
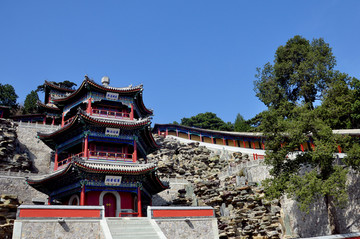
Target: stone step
{"points": [[131, 228], [135, 237], [135, 233]]}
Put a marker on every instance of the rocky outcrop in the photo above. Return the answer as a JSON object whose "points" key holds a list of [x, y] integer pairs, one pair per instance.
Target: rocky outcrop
{"points": [[11, 158], [8, 207], [240, 207]]}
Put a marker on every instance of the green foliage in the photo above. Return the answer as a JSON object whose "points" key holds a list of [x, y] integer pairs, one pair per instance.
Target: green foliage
{"points": [[63, 84], [340, 107], [241, 124], [30, 103], [207, 120], [303, 73], [300, 72], [286, 130], [7, 95]]}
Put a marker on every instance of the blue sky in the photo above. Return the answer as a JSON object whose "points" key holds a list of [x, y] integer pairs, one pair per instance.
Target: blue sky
{"points": [[192, 56]]}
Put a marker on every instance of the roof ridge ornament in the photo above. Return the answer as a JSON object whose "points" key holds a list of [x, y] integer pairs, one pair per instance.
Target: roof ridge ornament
{"points": [[105, 81]]}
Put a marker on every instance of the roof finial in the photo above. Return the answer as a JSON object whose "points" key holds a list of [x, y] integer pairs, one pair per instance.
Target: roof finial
{"points": [[105, 81]]}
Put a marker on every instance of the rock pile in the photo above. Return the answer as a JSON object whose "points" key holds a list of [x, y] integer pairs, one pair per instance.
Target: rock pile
{"points": [[242, 211], [190, 161], [240, 207], [8, 207], [10, 158]]}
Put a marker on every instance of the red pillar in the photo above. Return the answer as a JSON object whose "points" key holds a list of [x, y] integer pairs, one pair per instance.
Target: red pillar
{"points": [[53, 121], [159, 132], [135, 152], [56, 160], [132, 112], [234, 141], [86, 147], [263, 145], [44, 121], [177, 133], [339, 148], [189, 137], [253, 143], [313, 146], [224, 143], [212, 140], [62, 120], [302, 147], [49, 200], [139, 202], [89, 109], [244, 142], [200, 138], [166, 132], [82, 195]]}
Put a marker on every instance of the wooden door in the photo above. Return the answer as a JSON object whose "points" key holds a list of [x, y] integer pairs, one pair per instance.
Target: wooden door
{"points": [[109, 203]]}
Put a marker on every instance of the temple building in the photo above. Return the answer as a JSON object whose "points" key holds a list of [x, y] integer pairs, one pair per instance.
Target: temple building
{"points": [[100, 149]]}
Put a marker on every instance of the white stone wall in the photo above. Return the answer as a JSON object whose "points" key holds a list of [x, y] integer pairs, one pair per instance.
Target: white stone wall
{"points": [[39, 153]]}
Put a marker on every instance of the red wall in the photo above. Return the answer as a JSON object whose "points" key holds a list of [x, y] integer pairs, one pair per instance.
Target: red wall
{"points": [[127, 200], [92, 198]]}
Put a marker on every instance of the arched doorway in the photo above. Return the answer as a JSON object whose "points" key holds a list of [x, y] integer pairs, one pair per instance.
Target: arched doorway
{"points": [[74, 200], [109, 202]]}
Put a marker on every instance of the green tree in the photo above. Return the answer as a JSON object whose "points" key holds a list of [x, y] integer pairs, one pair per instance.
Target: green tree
{"points": [[207, 120], [30, 103], [302, 73], [7, 95], [63, 84], [337, 105], [240, 124]]}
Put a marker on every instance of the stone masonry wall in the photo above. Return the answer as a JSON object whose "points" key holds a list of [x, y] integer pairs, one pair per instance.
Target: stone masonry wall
{"points": [[38, 152], [190, 229], [202, 177], [69, 229], [21, 155], [241, 210]]}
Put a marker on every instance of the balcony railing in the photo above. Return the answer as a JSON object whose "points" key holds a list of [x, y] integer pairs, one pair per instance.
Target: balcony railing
{"points": [[68, 159], [110, 114], [99, 155], [110, 156], [68, 121], [258, 157]]}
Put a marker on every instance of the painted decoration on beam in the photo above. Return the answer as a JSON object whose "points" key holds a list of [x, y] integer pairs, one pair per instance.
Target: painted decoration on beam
{"points": [[112, 180], [112, 96], [112, 132]]}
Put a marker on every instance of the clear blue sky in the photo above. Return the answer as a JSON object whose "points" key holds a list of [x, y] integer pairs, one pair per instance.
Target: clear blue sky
{"points": [[192, 56]]}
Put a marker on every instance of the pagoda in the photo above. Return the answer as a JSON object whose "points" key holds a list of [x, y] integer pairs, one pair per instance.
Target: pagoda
{"points": [[100, 149], [50, 111]]}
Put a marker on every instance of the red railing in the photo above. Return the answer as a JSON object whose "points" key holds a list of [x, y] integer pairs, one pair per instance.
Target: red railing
{"points": [[110, 156], [110, 114], [258, 156], [68, 160], [66, 122], [128, 214]]}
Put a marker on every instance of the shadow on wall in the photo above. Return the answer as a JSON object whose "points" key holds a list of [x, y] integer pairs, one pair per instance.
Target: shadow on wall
{"points": [[300, 224], [23, 149], [349, 217], [297, 223], [157, 200]]}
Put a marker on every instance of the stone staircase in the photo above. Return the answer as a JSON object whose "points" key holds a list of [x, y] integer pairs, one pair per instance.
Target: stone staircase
{"points": [[134, 228]]}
